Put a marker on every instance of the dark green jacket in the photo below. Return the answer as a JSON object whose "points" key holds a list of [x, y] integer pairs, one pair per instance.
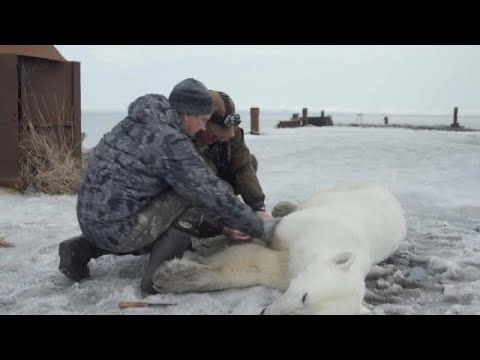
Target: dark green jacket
{"points": [[232, 162]]}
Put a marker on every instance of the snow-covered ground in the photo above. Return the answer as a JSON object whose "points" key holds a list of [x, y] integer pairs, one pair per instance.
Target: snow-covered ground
{"points": [[434, 174]]}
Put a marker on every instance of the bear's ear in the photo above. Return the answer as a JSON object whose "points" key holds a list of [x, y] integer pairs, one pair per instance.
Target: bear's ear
{"points": [[344, 260]]}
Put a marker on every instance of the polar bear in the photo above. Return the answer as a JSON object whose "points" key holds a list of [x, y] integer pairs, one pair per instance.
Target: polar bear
{"points": [[321, 252]]}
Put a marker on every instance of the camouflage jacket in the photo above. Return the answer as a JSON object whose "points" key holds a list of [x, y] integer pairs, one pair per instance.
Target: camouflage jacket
{"points": [[144, 155], [232, 162]]}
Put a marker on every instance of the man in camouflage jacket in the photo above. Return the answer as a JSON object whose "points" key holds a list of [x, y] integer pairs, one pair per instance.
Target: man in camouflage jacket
{"points": [[146, 187]]}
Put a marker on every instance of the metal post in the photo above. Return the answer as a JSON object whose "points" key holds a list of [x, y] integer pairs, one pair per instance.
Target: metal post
{"points": [[255, 121], [304, 116], [455, 118]]}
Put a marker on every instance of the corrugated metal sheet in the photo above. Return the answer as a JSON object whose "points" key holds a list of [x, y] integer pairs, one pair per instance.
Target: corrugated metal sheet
{"points": [[38, 89]]}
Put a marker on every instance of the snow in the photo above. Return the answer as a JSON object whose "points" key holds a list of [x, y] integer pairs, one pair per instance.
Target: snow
{"points": [[434, 174]]}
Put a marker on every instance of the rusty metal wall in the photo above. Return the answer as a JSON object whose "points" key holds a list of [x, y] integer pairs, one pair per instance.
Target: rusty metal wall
{"points": [[50, 93], [9, 155], [42, 91], [77, 108], [45, 90]]}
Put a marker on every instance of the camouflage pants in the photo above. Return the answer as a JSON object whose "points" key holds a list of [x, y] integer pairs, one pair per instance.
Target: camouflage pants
{"points": [[168, 209]]}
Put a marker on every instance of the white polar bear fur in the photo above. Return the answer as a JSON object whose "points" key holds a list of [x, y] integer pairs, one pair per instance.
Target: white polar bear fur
{"points": [[319, 256]]}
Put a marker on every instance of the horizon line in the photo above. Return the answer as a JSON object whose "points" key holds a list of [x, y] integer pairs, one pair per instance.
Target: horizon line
{"points": [[376, 112]]}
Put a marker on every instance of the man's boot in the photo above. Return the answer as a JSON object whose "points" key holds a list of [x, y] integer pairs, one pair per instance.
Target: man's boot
{"points": [[173, 243], [75, 253]]}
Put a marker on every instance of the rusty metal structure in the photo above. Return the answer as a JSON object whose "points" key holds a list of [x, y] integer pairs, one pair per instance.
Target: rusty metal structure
{"points": [[255, 121], [305, 120], [288, 124], [39, 85]]}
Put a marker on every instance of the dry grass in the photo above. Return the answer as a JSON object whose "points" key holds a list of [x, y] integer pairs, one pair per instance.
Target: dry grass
{"points": [[47, 160], [5, 244], [48, 163]]}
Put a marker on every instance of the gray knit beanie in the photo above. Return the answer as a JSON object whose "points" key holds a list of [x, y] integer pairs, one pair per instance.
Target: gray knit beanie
{"points": [[191, 96]]}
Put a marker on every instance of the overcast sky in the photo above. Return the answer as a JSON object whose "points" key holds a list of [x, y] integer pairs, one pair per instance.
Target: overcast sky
{"points": [[384, 79]]}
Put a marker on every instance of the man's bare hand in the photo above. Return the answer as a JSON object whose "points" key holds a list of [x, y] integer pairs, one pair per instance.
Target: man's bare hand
{"points": [[264, 215], [235, 235]]}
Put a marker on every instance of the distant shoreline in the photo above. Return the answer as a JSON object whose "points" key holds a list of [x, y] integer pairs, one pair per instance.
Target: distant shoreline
{"points": [[413, 127], [310, 111]]}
